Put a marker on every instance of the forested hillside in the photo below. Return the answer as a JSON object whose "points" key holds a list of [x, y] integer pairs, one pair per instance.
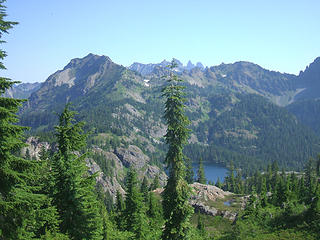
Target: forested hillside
{"points": [[229, 106]]}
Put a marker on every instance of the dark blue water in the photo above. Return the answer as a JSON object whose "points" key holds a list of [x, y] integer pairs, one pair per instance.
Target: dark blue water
{"points": [[212, 171]]}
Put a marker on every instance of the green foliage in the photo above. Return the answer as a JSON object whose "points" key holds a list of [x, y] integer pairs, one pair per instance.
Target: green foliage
{"points": [[289, 211], [107, 165], [201, 178], [54, 236], [134, 214], [154, 207], [73, 192], [144, 189], [155, 184], [189, 171], [307, 112], [251, 132], [177, 210], [218, 183], [25, 211]]}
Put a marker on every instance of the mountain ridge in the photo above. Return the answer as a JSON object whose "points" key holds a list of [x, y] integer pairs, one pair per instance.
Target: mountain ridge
{"points": [[125, 104]]}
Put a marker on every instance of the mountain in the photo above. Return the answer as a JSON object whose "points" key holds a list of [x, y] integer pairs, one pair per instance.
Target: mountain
{"points": [[308, 82], [235, 110], [23, 90], [244, 77], [250, 131], [147, 69], [306, 105], [307, 112]]}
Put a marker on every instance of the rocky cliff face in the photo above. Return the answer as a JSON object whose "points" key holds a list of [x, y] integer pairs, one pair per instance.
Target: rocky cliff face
{"points": [[112, 180], [122, 159], [34, 147]]}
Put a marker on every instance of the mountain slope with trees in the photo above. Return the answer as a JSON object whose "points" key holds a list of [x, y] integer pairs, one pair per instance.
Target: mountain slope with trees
{"points": [[229, 119]]}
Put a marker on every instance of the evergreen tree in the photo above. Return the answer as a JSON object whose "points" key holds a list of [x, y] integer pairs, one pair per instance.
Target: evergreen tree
{"points": [[189, 171], [144, 189], [211, 182], [155, 216], [201, 227], [263, 194], [239, 184], [294, 186], [275, 175], [74, 189], [177, 210], [153, 208], [302, 192], [24, 211], [281, 194], [318, 166], [119, 211], [315, 205], [269, 178], [218, 183], [120, 203], [155, 184], [230, 179], [310, 174], [200, 174], [134, 213], [252, 205]]}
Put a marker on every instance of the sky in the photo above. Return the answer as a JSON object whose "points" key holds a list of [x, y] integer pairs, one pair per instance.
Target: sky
{"points": [[279, 35]]}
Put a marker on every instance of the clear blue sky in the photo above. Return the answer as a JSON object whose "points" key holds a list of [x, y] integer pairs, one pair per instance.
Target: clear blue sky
{"points": [[281, 35]]}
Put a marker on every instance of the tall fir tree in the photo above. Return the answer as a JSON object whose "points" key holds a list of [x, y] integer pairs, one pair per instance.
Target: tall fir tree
{"points": [[189, 171], [176, 208], [200, 174], [74, 189], [134, 214], [263, 193], [119, 218], [24, 211], [144, 189]]}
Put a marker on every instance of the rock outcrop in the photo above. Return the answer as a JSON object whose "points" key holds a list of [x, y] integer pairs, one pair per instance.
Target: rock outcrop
{"points": [[124, 158], [204, 194], [207, 192], [33, 148], [132, 156], [120, 158], [105, 183]]}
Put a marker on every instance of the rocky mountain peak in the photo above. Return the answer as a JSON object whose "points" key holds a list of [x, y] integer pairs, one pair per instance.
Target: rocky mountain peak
{"points": [[312, 69], [75, 80], [89, 59], [308, 81], [190, 65], [200, 65]]}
